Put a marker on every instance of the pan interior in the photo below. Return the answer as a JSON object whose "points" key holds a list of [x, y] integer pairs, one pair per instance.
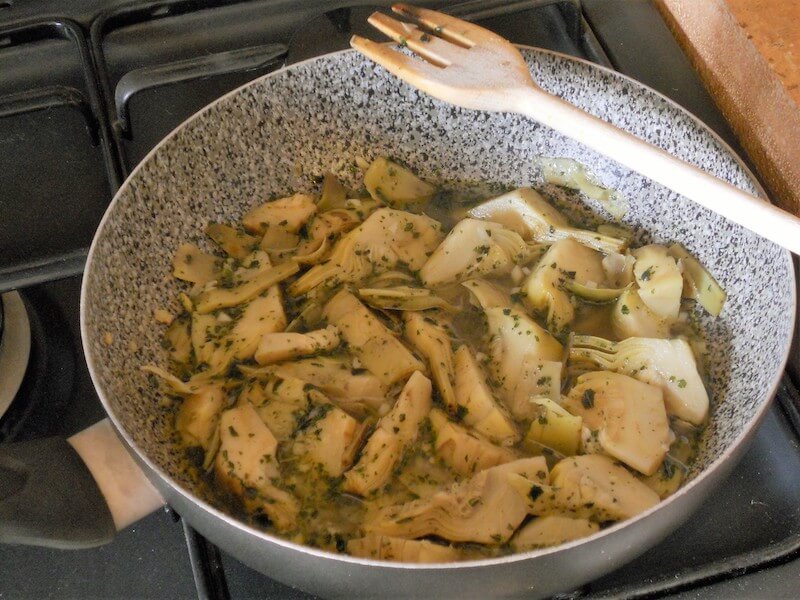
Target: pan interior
{"points": [[280, 133]]}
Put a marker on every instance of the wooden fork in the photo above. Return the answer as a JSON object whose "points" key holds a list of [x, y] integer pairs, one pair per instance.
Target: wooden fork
{"points": [[471, 67]]}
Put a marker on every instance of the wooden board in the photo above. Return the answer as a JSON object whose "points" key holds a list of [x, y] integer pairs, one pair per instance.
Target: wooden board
{"points": [[748, 90], [773, 27]]}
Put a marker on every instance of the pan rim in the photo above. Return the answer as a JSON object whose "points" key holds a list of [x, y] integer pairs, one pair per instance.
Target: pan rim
{"points": [[154, 470]]}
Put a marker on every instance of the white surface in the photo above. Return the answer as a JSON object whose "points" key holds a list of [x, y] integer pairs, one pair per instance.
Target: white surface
{"points": [[15, 347], [128, 493]]}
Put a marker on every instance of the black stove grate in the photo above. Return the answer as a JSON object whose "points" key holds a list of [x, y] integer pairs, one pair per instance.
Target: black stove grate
{"points": [[113, 77]]}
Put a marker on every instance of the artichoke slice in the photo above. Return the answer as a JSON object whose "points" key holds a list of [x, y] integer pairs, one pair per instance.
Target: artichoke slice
{"points": [[280, 401], [198, 416], [551, 530], [666, 364], [376, 347], [465, 452], [473, 248], [699, 284], [589, 486], [278, 347], [632, 318], [280, 219], [525, 211], [565, 262], [394, 433], [322, 232], [352, 390], [328, 443], [593, 294], [178, 338], [487, 294], [333, 193], [386, 239], [485, 509], [254, 277], [235, 243], [396, 186], [476, 402], [629, 415], [217, 339], [247, 466], [617, 494], [193, 265], [385, 547], [404, 298], [433, 341], [555, 428], [659, 279], [619, 269], [525, 359], [570, 173]]}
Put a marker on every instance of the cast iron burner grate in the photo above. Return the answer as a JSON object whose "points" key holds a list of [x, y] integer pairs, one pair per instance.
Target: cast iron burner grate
{"points": [[49, 377]]}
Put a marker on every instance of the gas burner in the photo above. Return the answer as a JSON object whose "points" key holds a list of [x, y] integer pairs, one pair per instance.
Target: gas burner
{"points": [[15, 346]]}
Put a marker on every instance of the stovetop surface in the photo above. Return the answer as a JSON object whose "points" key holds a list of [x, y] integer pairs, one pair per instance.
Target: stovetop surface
{"points": [[151, 73]]}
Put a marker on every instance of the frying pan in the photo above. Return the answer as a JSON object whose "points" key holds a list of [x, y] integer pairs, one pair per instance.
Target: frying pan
{"points": [[275, 136]]}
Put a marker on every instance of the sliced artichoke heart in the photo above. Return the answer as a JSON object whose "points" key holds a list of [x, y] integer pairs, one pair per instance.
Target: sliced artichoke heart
{"points": [[555, 427], [385, 547], [386, 239], [396, 186], [473, 248], [432, 340], [619, 269], [525, 211], [465, 452], [280, 402], [279, 220], [247, 466], [593, 294], [193, 265], [349, 389], [480, 410], [667, 364], [570, 173], [520, 348], [551, 530], [659, 279], [254, 277], [198, 416], [564, 262], [333, 193], [375, 345], [629, 415], [632, 318], [404, 298], [277, 347], [330, 442], [394, 433], [235, 243], [486, 294], [485, 509], [616, 493], [699, 284]]}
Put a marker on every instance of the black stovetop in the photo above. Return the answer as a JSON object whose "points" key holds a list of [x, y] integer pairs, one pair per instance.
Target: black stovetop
{"points": [[86, 88]]}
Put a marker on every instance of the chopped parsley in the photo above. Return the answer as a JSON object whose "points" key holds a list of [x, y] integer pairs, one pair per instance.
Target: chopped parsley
{"points": [[588, 399]]}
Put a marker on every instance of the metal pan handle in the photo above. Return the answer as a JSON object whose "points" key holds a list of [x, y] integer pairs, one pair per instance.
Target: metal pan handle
{"points": [[74, 493]]}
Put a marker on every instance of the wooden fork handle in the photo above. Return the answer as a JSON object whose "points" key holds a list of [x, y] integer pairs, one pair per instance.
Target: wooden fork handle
{"points": [[750, 212]]}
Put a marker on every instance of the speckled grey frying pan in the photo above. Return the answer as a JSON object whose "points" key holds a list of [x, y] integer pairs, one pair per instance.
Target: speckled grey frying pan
{"points": [[276, 135]]}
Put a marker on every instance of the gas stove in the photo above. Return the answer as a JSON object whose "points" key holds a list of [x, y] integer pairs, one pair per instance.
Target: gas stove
{"points": [[88, 87]]}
